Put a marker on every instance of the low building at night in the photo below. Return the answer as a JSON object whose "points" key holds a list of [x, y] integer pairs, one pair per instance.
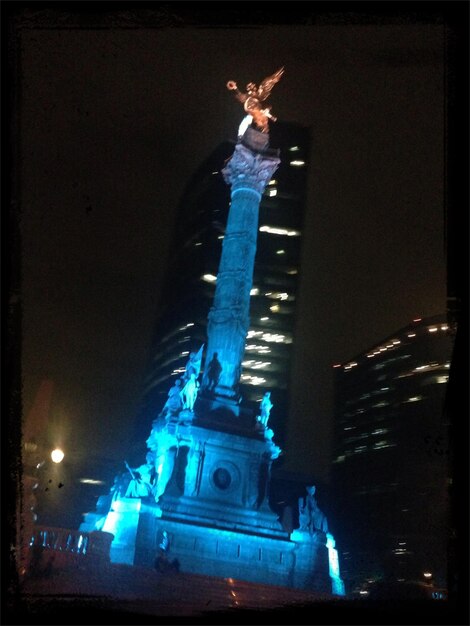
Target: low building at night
{"points": [[390, 467]]}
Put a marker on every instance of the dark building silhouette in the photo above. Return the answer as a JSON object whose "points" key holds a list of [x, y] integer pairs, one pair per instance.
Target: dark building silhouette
{"points": [[391, 472], [192, 269]]}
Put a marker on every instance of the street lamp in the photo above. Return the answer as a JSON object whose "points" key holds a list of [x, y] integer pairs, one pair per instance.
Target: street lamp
{"points": [[57, 455]]}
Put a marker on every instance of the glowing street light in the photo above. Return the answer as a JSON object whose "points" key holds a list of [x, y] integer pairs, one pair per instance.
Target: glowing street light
{"points": [[57, 455]]}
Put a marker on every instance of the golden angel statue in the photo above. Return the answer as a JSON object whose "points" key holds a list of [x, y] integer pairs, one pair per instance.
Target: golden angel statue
{"points": [[253, 98]]}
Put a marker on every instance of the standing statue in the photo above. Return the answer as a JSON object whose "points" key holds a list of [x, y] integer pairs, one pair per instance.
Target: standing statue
{"points": [[193, 365], [214, 369], [173, 403], [311, 518], [253, 98], [189, 392], [265, 409]]}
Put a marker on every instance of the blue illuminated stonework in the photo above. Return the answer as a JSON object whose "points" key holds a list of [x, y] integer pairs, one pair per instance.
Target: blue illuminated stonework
{"points": [[248, 172], [212, 464]]}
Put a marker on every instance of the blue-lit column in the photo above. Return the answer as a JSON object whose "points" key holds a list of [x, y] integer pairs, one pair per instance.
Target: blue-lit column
{"points": [[248, 172]]}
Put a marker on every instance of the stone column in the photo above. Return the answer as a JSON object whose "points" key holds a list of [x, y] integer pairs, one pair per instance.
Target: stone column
{"points": [[248, 172]]}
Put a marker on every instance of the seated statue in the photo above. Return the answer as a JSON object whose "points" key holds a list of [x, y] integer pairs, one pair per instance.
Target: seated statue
{"points": [[311, 518], [143, 478]]}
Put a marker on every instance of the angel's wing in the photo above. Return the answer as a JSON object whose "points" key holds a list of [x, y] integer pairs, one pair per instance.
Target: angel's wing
{"points": [[268, 83]]}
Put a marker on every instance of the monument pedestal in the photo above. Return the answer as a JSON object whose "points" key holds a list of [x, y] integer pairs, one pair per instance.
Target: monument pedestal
{"points": [[212, 551], [123, 521]]}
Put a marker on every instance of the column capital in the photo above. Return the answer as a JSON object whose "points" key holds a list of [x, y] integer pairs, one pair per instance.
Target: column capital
{"points": [[249, 170]]}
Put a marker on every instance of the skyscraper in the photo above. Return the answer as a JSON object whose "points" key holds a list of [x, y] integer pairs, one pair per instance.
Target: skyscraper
{"points": [[390, 467], [193, 264]]}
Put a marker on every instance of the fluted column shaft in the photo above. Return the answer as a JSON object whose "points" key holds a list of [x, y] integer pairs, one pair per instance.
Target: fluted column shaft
{"points": [[248, 173]]}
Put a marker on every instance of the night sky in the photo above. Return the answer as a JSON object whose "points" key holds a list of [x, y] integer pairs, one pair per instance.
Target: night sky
{"points": [[112, 122]]}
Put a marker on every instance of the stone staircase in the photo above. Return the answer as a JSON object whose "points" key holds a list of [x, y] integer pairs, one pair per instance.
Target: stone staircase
{"points": [[143, 590]]}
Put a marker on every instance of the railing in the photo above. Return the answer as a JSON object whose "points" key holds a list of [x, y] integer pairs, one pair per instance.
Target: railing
{"points": [[95, 544]]}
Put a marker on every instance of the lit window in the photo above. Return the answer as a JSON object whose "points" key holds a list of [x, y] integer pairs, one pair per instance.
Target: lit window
{"points": [[272, 192], [275, 230], [213, 173], [275, 338], [278, 295], [209, 278], [360, 449], [297, 163], [91, 481], [274, 308], [280, 251], [379, 431], [185, 353], [198, 243], [252, 380], [445, 327], [413, 399], [294, 149], [254, 291], [337, 365], [432, 329], [411, 335], [382, 444], [261, 364], [292, 272], [220, 237], [264, 319], [273, 181], [441, 379]]}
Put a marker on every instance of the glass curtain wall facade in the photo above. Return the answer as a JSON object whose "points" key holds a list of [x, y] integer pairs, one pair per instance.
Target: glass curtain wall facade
{"points": [[192, 270], [391, 456]]}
